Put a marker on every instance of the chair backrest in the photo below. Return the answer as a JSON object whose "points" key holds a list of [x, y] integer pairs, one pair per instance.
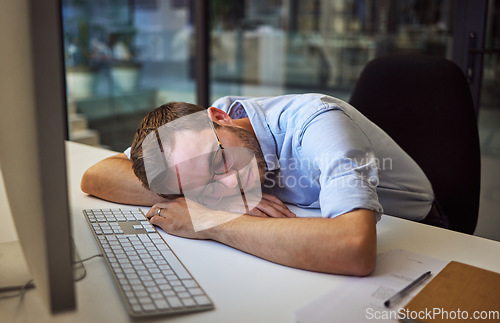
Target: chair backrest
{"points": [[424, 104]]}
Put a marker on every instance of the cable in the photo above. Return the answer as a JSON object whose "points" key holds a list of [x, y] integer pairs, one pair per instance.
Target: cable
{"points": [[80, 262], [83, 260], [22, 290]]}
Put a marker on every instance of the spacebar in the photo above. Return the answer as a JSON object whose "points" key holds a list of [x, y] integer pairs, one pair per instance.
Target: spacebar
{"points": [[175, 264]]}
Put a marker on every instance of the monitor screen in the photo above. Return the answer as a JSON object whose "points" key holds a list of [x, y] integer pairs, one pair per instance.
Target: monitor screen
{"points": [[32, 135]]}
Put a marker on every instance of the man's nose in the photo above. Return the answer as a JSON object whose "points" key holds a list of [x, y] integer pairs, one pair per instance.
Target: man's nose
{"points": [[229, 179]]}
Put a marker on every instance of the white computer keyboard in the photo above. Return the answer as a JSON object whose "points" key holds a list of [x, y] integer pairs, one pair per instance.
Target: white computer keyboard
{"points": [[151, 279]]}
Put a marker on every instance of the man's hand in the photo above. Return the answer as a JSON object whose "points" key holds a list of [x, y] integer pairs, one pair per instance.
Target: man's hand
{"points": [[271, 206], [174, 217], [186, 218]]}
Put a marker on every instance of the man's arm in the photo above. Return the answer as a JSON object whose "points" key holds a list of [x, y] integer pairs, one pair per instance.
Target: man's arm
{"points": [[346, 244], [113, 179], [343, 245]]}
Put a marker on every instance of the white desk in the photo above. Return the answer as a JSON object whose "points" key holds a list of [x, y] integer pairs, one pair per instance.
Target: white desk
{"points": [[244, 288]]}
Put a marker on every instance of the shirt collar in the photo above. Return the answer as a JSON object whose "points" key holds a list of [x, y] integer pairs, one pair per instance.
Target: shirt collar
{"points": [[264, 135]]}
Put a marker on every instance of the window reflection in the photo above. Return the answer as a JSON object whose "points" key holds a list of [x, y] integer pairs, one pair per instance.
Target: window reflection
{"points": [[273, 47], [125, 57], [489, 113]]}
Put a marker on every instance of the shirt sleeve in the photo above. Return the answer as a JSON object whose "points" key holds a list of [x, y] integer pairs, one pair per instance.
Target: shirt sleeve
{"points": [[347, 163]]}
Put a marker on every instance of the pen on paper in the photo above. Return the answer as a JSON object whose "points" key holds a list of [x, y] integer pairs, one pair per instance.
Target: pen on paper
{"points": [[402, 293]]}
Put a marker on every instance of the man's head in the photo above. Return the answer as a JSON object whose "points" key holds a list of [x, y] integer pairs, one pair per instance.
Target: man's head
{"points": [[186, 139], [152, 121]]}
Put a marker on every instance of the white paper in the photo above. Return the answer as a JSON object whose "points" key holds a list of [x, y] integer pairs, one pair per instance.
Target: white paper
{"points": [[362, 299]]}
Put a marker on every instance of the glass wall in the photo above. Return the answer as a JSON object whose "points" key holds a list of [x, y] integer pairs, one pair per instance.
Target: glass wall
{"points": [[489, 129], [125, 57], [489, 113], [263, 47]]}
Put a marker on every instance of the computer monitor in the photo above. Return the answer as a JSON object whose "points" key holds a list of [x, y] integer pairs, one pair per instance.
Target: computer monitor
{"points": [[32, 138]]}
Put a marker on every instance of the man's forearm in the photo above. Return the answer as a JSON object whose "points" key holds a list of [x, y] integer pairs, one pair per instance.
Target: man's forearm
{"points": [[346, 244], [343, 245], [112, 179]]}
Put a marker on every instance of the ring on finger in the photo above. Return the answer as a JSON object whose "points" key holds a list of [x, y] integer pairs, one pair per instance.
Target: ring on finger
{"points": [[159, 211]]}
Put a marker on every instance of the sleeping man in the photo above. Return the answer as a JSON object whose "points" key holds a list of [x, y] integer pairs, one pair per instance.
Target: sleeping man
{"points": [[226, 173]]}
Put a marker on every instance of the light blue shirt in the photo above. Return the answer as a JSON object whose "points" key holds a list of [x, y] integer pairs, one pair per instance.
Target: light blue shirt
{"points": [[323, 153]]}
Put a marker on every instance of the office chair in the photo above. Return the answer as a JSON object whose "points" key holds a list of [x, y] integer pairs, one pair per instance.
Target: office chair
{"points": [[425, 105]]}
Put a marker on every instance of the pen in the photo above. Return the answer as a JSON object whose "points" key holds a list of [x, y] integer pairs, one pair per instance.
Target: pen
{"points": [[402, 293]]}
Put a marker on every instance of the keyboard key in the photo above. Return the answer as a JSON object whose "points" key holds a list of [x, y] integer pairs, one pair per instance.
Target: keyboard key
{"points": [[195, 291], [184, 295], [156, 295], [180, 289], [189, 283], [188, 302], [138, 288], [174, 301], [161, 304], [168, 293], [202, 300], [174, 283], [175, 264]]}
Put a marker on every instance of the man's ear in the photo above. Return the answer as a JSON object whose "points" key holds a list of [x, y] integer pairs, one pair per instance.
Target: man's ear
{"points": [[219, 116]]}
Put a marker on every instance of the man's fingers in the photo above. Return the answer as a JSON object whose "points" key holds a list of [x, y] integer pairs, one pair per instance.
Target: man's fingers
{"points": [[154, 220], [160, 221], [271, 211], [256, 212], [278, 205], [155, 209]]}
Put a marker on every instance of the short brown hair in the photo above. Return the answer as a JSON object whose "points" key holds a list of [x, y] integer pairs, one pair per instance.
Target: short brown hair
{"points": [[152, 121]]}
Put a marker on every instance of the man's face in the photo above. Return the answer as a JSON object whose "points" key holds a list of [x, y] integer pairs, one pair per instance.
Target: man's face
{"points": [[206, 173]]}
